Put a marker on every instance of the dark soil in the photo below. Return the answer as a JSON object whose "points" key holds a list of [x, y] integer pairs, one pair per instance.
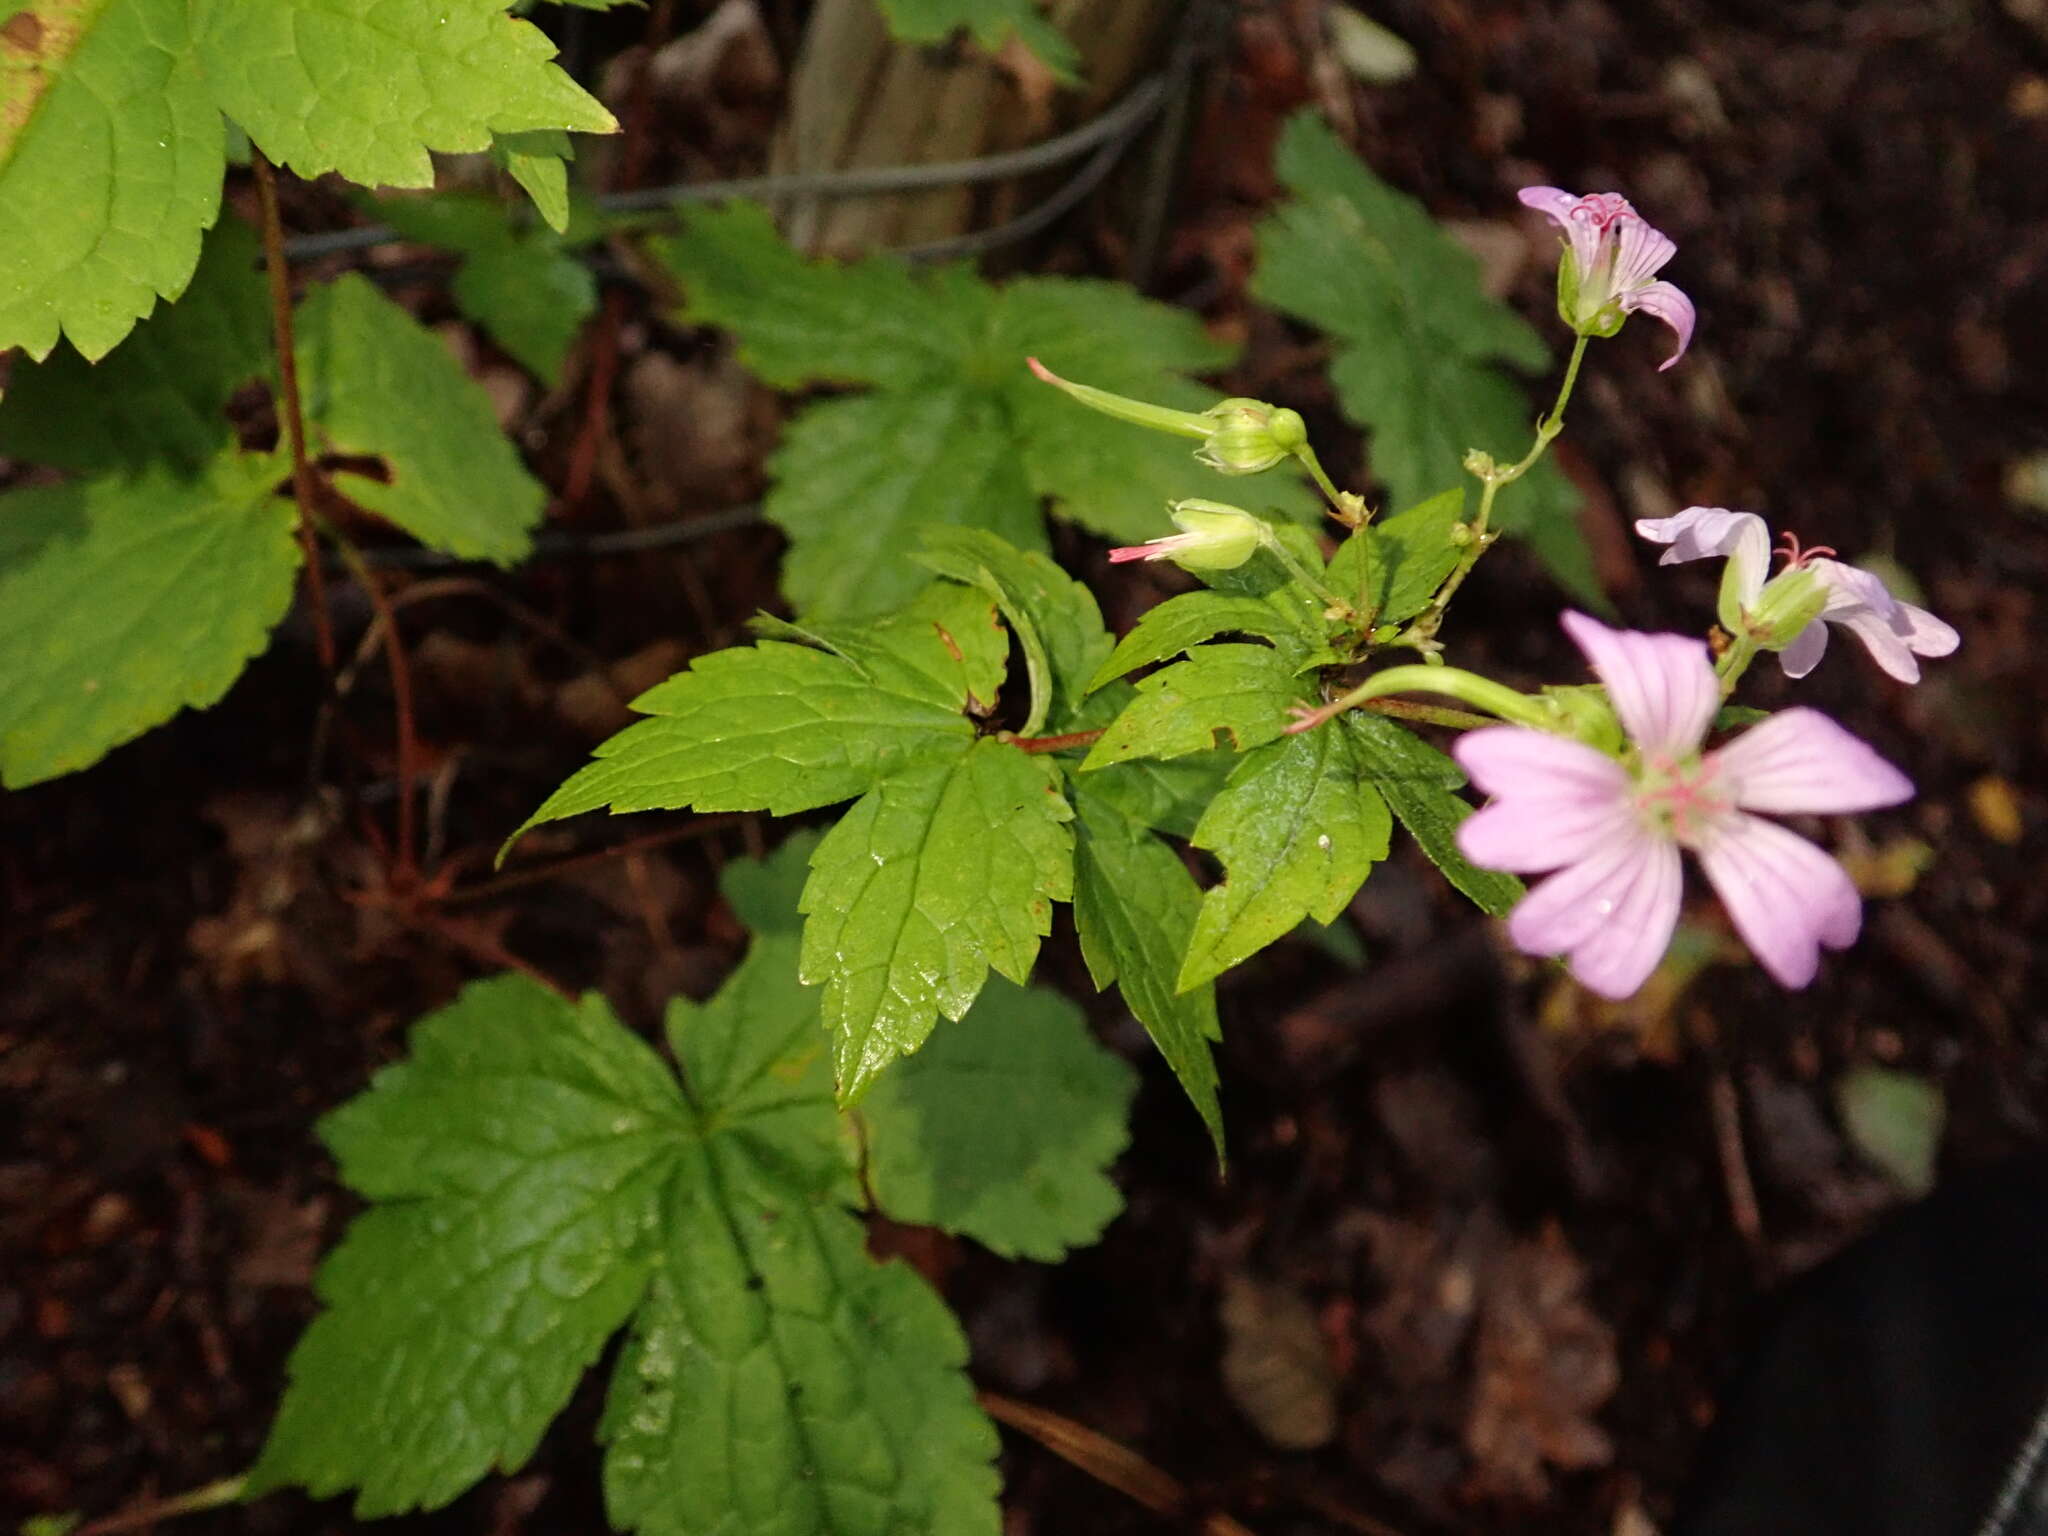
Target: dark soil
{"points": [[1529, 1233]]}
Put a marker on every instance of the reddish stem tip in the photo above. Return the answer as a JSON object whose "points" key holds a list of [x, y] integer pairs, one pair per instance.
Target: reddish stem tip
{"points": [[1039, 371]]}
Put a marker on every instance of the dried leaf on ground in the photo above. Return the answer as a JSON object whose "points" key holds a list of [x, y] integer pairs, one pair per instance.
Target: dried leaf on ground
{"points": [[1276, 1363]]}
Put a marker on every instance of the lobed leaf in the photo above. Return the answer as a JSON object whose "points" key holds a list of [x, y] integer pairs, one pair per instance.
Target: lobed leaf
{"points": [[944, 646], [1239, 692], [934, 876], [1135, 906], [1001, 1127], [1394, 567], [1419, 785], [1298, 829], [130, 598], [1183, 622]]}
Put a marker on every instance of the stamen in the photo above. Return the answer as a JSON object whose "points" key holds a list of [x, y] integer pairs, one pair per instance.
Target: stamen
{"points": [[1797, 558]]}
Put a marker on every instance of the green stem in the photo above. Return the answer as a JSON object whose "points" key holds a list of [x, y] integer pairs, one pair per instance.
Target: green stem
{"points": [[1305, 576], [1428, 714], [1734, 662], [1427, 622], [1481, 693], [213, 1496], [1347, 509]]}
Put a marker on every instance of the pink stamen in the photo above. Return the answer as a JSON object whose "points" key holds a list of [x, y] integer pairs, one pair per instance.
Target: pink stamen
{"points": [[1797, 558]]}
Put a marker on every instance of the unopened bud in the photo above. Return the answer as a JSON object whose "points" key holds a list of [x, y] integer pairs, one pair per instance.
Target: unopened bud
{"points": [[1478, 463], [1250, 436], [1214, 536]]}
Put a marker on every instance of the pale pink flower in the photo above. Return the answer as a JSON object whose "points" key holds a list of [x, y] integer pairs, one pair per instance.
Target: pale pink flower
{"points": [[1612, 829], [1613, 257], [1895, 632]]}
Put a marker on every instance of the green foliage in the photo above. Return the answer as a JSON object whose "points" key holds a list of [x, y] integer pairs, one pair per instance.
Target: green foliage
{"points": [[1419, 784], [130, 597], [1895, 1120], [1419, 345], [1392, 568], [376, 384], [523, 286], [539, 1179], [112, 147], [1182, 622], [1236, 695], [992, 23], [1298, 828], [1000, 1128], [930, 879], [953, 431]]}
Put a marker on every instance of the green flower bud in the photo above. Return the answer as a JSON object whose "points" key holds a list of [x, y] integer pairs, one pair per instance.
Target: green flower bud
{"points": [[1250, 436], [1789, 602], [1212, 537]]}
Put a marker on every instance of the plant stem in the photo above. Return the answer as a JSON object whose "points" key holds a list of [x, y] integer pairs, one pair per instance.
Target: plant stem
{"points": [[1431, 618], [293, 410], [1038, 744], [1428, 714], [212, 1496], [1735, 661], [405, 867], [1346, 509], [1453, 682], [1308, 578]]}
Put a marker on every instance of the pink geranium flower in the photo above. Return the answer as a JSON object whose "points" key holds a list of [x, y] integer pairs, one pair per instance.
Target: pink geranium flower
{"points": [[1894, 632], [1613, 257], [1612, 829]]}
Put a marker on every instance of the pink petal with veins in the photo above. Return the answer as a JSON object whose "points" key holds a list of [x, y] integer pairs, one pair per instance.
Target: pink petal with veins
{"points": [[1614, 911], [1800, 763], [1515, 762], [1786, 897], [1662, 686], [1667, 303]]}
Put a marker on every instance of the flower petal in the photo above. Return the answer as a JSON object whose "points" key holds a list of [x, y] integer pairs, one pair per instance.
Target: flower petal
{"points": [[1667, 303], [1528, 839], [1786, 897], [1515, 762], [1705, 533], [1805, 651], [1554, 203], [1640, 251], [1800, 763], [1850, 589], [1617, 907], [1924, 634], [1662, 686], [1886, 646], [1620, 956]]}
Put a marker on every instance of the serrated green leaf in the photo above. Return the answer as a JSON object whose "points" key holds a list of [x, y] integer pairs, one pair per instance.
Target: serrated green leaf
{"points": [[948, 1146], [992, 23], [771, 727], [368, 87], [857, 481], [1234, 695], [111, 157], [1411, 554], [161, 398], [523, 286], [376, 384], [1419, 784], [539, 161], [1183, 622], [1134, 907], [130, 598], [1165, 796], [1055, 618], [516, 1158], [764, 892], [933, 877], [1298, 829], [956, 433], [944, 646], [1420, 343]]}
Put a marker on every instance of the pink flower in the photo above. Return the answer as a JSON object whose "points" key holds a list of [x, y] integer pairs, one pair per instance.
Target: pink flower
{"points": [[1612, 828], [1612, 257], [1894, 632], [1212, 537]]}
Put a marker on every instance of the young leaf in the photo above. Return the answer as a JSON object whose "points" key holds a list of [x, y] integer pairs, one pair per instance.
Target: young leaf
{"points": [[129, 598], [1181, 623], [111, 156], [515, 1161], [1298, 830], [161, 398], [522, 286], [945, 646], [956, 432], [771, 727], [1419, 784], [1055, 618], [1238, 692], [366, 88], [1419, 343], [538, 160], [1001, 1127], [933, 877], [375, 383], [993, 23], [1395, 567], [1135, 905]]}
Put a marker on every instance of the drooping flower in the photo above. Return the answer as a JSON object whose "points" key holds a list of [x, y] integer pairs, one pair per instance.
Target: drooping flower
{"points": [[1781, 612], [1612, 828], [1611, 261], [1212, 537]]}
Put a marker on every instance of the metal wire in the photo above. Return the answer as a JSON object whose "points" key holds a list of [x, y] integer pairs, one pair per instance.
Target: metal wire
{"points": [[1112, 129]]}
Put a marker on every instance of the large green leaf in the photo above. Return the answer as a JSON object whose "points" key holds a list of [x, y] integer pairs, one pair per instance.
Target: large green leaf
{"points": [[993, 23], [1222, 695], [1001, 1126], [1135, 906], [376, 384], [1420, 784], [1298, 830], [1183, 622], [1419, 344], [129, 598], [956, 433], [931, 878]]}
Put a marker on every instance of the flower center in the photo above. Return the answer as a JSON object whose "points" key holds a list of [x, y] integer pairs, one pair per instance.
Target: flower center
{"points": [[1797, 558], [1678, 797]]}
